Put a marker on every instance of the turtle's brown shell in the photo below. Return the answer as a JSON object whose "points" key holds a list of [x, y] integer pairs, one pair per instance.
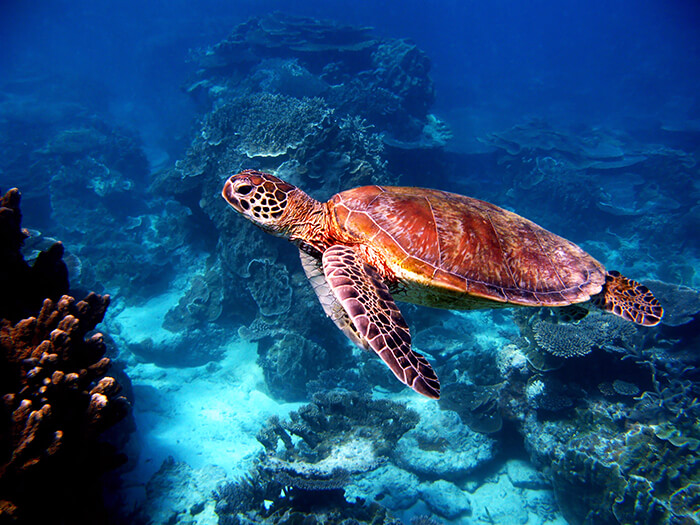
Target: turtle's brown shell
{"points": [[448, 250]]}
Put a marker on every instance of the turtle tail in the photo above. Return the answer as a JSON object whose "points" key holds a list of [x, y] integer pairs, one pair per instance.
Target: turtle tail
{"points": [[630, 300]]}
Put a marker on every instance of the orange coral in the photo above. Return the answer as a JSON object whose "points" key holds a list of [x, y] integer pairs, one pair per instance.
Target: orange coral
{"points": [[55, 397]]}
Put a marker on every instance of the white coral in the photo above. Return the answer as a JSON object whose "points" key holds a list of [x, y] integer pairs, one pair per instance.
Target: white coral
{"points": [[534, 389]]}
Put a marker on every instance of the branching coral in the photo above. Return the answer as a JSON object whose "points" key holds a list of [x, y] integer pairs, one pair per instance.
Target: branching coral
{"points": [[336, 417], [56, 396]]}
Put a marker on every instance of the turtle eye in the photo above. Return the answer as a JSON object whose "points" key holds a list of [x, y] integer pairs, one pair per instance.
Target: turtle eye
{"points": [[244, 189]]}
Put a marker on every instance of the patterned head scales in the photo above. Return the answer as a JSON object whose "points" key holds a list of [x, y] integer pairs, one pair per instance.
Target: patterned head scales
{"points": [[261, 198]]}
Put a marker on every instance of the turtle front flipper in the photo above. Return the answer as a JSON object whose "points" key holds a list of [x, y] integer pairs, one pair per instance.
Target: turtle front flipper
{"points": [[630, 300], [377, 321], [314, 273]]}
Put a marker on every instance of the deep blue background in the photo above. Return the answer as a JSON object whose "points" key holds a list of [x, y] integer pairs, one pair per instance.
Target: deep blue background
{"points": [[629, 63]]}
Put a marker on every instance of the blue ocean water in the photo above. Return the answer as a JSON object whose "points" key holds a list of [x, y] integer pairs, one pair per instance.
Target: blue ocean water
{"points": [[120, 124]]}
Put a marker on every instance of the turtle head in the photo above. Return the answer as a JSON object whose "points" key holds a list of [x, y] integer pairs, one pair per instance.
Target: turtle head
{"points": [[267, 201]]}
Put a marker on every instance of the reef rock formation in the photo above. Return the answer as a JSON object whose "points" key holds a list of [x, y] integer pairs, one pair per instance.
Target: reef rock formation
{"points": [[314, 102], [24, 287], [56, 395], [386, 82], [612, 420], [324, 444]]}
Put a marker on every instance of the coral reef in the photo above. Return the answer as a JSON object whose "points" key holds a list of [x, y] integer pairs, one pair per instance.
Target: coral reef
{"points": [[290, 363], [616, 432], [587, 179], [57, 396], [313, 102], [25, 287], [200, 305], [324, 445], [449, 450], [81, 158]]}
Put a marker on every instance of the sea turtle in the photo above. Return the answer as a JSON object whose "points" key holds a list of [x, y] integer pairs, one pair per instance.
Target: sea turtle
{"points": [[369, 245]]}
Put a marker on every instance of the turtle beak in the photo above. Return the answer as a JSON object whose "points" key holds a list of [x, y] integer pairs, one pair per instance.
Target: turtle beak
{"points": [[229, 196]]}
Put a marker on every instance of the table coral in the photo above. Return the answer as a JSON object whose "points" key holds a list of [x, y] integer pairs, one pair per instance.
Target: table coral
{"points": [[578, 339]]}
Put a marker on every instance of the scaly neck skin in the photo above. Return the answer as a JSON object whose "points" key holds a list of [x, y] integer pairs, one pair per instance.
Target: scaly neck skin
{"points": [[309, 227]]}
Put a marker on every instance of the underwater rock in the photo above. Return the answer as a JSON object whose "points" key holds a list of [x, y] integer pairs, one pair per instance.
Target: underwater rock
{"points": [[446, 499], [524, 476], [200, 305], [599, 148], [290, 363], [119, 230], [270, 287], [393, 487], [681, 303], [497, 501], [286, 77], [442, 446], [403, 69], [386, 82], [23, 287], [278, 34]]}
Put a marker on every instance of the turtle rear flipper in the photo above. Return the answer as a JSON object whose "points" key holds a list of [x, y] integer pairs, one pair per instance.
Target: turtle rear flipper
{"points": [[630, 300], [377, 321]]}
